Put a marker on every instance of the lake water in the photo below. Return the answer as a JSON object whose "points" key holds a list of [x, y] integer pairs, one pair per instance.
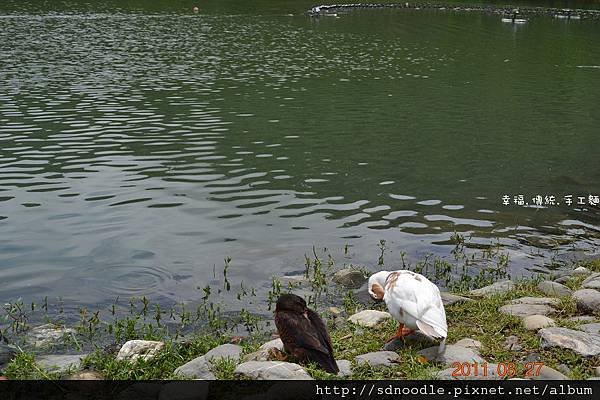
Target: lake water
{"points": [[141, 145]]}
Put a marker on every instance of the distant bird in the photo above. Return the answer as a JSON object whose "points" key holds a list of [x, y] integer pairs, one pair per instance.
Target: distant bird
{"points": [[303, 333], [513, 18], [412, 300]]}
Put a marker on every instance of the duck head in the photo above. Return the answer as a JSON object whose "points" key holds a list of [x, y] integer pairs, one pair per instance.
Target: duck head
{"points": [[377, 284]]}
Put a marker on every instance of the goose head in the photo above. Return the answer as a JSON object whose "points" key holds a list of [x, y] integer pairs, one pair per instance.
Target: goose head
{"points": [[377, 284]]}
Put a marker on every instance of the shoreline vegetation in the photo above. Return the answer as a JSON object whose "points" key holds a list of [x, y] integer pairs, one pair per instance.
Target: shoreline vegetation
{"points": [[545, 326]]}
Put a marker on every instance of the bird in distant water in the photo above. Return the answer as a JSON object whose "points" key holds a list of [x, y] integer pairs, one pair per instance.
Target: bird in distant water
{"points": [[303, 333]]}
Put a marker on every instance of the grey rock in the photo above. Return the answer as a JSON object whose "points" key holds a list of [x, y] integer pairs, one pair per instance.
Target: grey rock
{"points": [[535, 322], [597, 371], [184, 391], [224, 351], [294, 280], [588, 300], [524, 310], [451, 354], [272, 370], [369, 318], [591, 328], [345, 368], [272, 344], [263, 353], [512, 343], [198, 368], [592, 282], [563, 279], [546, 301], [47, 335], [415, 339], [582, 318], [554, 289], [547, 373], [60, 363], [563, 369], [449, 298], [350, 278], [490, 375], [583, 343], [533, 357], [496, 288], [86, 376], [469, 343], [144, 349], [378, 358]]}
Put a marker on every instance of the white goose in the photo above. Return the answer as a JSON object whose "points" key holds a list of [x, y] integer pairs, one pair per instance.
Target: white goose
{"points": [[412, 300]]}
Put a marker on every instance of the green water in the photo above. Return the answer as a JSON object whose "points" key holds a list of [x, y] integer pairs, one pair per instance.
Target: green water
{"points": [[141, 144]]}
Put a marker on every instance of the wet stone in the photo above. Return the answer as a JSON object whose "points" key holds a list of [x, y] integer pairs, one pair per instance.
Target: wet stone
{"points": [[349, 278], [47, 335]]}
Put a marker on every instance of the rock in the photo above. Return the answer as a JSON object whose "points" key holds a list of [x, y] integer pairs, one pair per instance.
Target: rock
{"points": [[198, 368], [496, 288], [47, 335], [334, 311], [533, 357], [535, 322], [597, 371], [7, 353], [490, 374], [524, 310], [451, 354], [582, 318], [546, 373], [511, 343], [592, 282], [563, 279], [563, 369], [144, 349], [449, 298], [581, 271], [591, 328], [86, 376], [583, 343], [273, 344], [224, 351], [345, 368], [588, 300], [545, 301], [184, 391], [415, 339], [378, 358], [350, 278], [554, 289], [60, 363], [369, 318], [469, 343], [272, 370]]}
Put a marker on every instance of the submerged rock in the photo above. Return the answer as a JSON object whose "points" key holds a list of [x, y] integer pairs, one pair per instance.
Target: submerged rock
{"points": [[496, 288], [554, 289], [60, 363], [272, 370], [350, 278], [451, 354], [47, 335], [378, 358], [536, 322], [586, 344], [369, 318], [144, 349], [588, 300]]}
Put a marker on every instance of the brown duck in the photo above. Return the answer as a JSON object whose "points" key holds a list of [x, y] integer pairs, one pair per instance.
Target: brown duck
{"points": [[303, 333]]}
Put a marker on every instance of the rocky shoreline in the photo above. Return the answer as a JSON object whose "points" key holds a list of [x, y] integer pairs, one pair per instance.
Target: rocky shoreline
{"points": [[543, 321]]}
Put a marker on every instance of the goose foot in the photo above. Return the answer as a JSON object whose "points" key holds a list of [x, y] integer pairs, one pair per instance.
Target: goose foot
{"points": [[401, 333]]}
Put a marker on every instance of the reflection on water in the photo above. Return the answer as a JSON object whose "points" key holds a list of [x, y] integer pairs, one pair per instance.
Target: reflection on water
{"points": [[139, 150]]}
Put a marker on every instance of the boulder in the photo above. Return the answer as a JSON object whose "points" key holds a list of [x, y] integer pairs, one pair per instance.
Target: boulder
{"points": [[590, 328], [536, 322], [139, 349], [198, 368], [350, 278], [369, 318], [496, 288], [224, 351], [449, 298], [271, 370], [272, 344], [469, 343], [60, 363], [583, 343], [592, 282], [345, 368], [588, 300], [47, 335], [451, 354], [378, 358], [554, 289]]}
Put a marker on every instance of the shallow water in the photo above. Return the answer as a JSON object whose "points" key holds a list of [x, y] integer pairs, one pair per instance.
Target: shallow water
{"points": [[140, 147]]}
